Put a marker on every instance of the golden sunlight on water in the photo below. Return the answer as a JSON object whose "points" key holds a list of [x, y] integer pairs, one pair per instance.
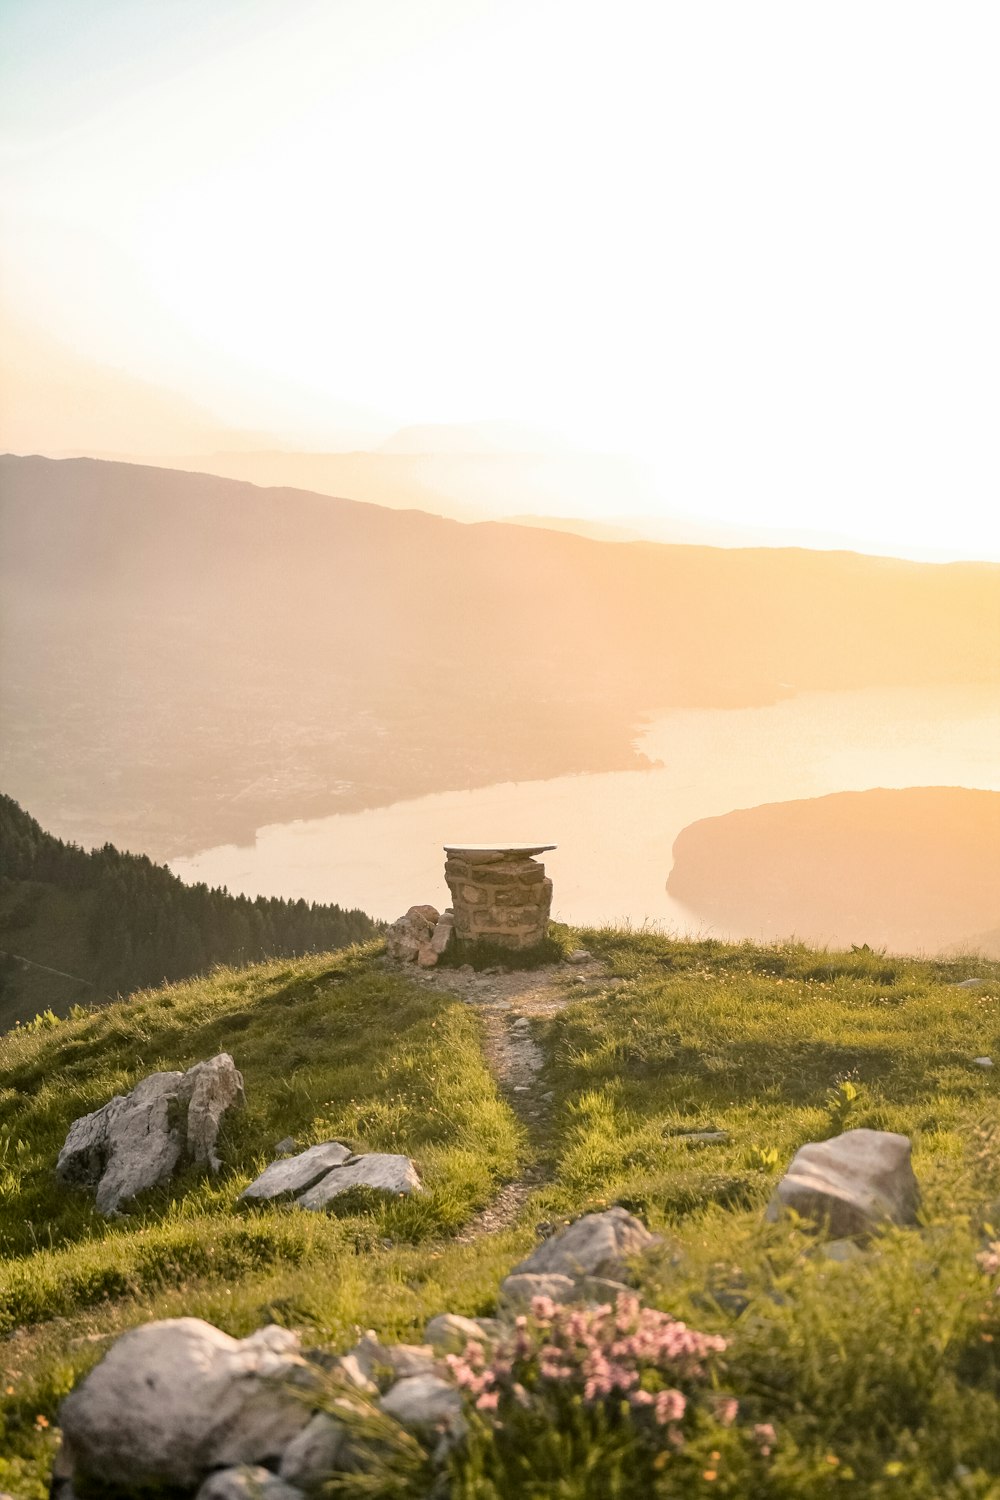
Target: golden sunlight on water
{"points": [[615, 831]]}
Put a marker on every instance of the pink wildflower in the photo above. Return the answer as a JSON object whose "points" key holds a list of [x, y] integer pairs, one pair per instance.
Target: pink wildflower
{"points": [[765, 1437], [989, 1259], [543, 1309], [669, 1406], [488, 1401], [726, 1408]]}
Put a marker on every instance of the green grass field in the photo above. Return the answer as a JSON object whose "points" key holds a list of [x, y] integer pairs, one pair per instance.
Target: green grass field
{"points": [[880, 1375]]}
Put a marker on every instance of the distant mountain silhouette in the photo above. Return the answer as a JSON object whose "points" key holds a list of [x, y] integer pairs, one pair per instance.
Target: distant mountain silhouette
{"points": [[184, 658], [916, 870]]}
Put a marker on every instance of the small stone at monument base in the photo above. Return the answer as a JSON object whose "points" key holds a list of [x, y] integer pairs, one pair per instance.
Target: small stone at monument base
{"points": [[410, 933]]}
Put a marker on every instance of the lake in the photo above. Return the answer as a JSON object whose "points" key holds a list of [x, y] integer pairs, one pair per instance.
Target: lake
{"points": [[615, 830]]}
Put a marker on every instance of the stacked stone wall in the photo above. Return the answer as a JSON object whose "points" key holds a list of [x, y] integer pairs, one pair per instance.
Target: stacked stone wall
{"points": [[499, 897]]}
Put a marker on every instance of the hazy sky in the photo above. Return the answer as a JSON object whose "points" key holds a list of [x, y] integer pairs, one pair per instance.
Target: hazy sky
{"points": [[754, 244]]}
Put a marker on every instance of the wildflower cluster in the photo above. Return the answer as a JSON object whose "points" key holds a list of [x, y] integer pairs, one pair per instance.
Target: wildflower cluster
{"points": [[989, 1261], [626, 1353]]}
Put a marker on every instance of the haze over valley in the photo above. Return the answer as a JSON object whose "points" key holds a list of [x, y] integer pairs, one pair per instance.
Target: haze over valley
{"points": [[188, 660]]}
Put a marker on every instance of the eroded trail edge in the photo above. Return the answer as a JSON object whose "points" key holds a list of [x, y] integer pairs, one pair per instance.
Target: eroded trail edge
{"points": [[507, 1004]]}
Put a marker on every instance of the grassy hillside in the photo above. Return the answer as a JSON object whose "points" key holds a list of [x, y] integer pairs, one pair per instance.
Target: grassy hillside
{"points": [[880, 1374], [186, 658], [79, 927]]}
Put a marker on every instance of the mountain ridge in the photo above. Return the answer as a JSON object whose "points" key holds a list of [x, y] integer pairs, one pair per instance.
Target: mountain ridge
{"points": [[186, 658]]}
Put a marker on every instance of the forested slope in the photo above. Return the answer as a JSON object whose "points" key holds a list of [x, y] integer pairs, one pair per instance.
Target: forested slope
{"points": [[78, 926]]}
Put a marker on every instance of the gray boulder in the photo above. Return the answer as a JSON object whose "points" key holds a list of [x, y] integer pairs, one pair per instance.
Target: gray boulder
{"points": [[388, 1173], [411, 932], [423, 1401], [450, 1331], [316, 1453], [377, 1361], [429, 953], [850, 1184], [596, 1245], [291, 1175], [137, 1140], [210, 1088], [349, 1367], [518, 1289], [249, 1482], [174, 1400]]}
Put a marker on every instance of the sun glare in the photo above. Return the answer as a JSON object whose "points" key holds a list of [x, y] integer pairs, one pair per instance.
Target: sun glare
{"points": [[749, 249]]}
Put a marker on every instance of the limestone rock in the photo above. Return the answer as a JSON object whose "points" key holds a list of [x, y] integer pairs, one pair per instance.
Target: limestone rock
{"points": [[850, 1184], [249, 1482], [597, 1245], [411, 932], [137, 1140], [382, 1170], [211, 1088], [518, 1289], [397, 1361], [452, 1332], [291, 1175], [349, 1366], [423, 1401], [173, 1400], [314, 1454], [983, 1062], [430, 950]]}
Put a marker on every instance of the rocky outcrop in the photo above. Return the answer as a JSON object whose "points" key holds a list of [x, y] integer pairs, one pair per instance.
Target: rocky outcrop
{"points": [[314, 1177], [181, 1406], [137, 1141], [450, 1331], [291, 1175], [174, 1400], [380, 1170], [599, 1244], [423, 1401], [419, 936], [851, 1184]]}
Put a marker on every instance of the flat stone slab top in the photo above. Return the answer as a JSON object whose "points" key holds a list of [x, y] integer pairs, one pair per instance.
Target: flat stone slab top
{"points": [[529, 849]]}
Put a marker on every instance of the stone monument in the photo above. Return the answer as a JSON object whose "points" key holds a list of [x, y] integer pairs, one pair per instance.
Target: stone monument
{"points": [[500, 893]]}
